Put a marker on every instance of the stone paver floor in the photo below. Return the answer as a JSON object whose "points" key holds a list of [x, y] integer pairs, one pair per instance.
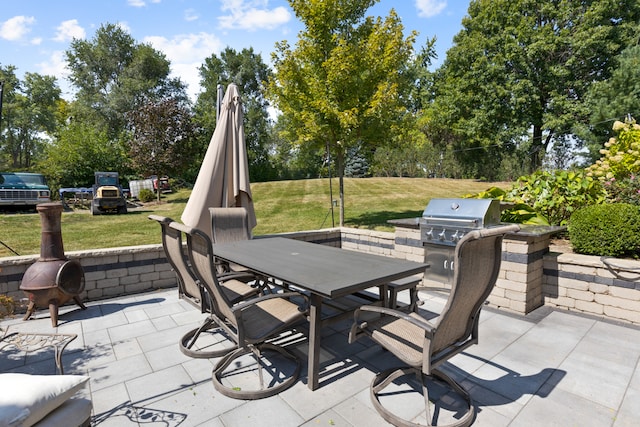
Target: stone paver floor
{"points": [[550, 368]]}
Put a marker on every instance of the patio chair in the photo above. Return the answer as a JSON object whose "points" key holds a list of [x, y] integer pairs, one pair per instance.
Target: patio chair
{"points": [[191, 291], [250, 324], [229, 225], [424, 344]]}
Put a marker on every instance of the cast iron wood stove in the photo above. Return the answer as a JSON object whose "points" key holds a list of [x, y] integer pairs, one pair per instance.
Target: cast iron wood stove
{"points": [[53, 279]]}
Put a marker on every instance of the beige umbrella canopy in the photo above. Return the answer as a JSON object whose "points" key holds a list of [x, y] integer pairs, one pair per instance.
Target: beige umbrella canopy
{"points": [[223, 180]]}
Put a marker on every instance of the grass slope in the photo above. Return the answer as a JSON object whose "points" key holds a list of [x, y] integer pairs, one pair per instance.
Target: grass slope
{"points": [[280, 207]]}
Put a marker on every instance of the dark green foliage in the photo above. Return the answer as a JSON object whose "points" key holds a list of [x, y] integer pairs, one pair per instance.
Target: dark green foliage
{"points": [[606, 230], [146, 195], [248, 71], [626, 190], [514, 212], [516, 78], [556, 195]]}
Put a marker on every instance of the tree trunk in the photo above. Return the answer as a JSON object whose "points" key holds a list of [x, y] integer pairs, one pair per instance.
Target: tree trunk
{"points": [[340, 164], [536, 148]]}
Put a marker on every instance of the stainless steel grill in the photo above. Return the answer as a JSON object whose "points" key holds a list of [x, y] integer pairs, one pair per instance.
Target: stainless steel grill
{"points": [[444, 222]]}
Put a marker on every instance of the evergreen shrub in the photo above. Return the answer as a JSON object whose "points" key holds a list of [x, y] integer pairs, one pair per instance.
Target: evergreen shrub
{"points": [[606, 230]]}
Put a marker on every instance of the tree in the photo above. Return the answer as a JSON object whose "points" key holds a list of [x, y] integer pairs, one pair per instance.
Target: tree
{"points": [[518, 73], [79, 150], [114, 75], [162, 133], [8, 136], [247, 70], [28, 116], [340, 87], [614, 98]]}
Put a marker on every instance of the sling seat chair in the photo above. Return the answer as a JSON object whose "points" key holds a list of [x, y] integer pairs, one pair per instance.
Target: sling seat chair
{"points": [[191, 291], [252, 324], [423, 345]]}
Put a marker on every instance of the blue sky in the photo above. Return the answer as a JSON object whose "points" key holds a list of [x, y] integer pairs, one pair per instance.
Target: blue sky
{"points": [[34, 34]]}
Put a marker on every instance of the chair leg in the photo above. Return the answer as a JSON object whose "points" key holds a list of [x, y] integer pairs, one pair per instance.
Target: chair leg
{"points": [[425, 395], [189, 340], [383, 379], [263, 391]]}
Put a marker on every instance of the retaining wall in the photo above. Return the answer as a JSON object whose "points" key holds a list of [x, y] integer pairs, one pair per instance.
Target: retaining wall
{"points": [[530, 277]]}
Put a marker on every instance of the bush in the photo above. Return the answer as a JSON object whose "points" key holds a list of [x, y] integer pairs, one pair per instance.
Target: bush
{"points": [[7, 306], [146, 195], [515, 213], [606, 230], [626, 190], [621, 155], [557, 195]]}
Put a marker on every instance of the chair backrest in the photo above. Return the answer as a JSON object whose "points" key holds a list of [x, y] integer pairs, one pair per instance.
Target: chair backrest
{"points": [[201, 255], [477, 264], [188, 286], [229, 224]]}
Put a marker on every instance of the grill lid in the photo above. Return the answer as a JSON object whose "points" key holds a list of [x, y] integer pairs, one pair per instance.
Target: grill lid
{"points": [[463, 213]]}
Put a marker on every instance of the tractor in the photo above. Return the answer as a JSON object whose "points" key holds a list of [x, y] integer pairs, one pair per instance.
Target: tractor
{"points": [[107, 194]]}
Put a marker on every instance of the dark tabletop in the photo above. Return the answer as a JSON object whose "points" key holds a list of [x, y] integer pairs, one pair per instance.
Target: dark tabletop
{"points": [[327, 271]]}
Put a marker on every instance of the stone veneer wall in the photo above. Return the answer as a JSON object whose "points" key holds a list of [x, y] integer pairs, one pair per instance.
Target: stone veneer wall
{"points": [[601, 286], [530, 277]]}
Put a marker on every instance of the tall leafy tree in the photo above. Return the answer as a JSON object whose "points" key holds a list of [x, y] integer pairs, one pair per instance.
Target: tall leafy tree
{"points": [[247, 70], [162, 133], [614, 98], [114, 75], [8, 135], [79, 150], [340, 86], [28, 117], [518, 72]]}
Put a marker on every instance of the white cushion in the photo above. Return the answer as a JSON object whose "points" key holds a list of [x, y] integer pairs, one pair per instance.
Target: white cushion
{"points": [[72, 413], [26, 399]]}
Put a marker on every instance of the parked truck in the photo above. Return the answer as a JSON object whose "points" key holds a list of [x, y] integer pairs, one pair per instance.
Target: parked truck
{"points": [[23, 189], [108, 195]]}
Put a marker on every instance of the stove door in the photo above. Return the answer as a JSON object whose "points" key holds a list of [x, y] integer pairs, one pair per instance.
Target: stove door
{"points": [[440, 260]]}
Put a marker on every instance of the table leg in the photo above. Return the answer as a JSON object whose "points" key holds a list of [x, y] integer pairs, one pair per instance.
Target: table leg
{"points": [[315, 320]]}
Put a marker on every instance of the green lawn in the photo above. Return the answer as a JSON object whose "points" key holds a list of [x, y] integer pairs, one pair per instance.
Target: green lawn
{"points": [[280, 206]]}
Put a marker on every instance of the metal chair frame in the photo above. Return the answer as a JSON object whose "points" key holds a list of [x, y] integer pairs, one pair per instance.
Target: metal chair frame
{"points": [[423, 345], [250, 324]]}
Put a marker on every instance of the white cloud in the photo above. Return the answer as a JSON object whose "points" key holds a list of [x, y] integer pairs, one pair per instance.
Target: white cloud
{"points": [[252, 15], [186, 47], [140, 3], [16, 28], [429, 8], [124, 26], [191, 15], [187, 53], [69, 30], [56, 65]]}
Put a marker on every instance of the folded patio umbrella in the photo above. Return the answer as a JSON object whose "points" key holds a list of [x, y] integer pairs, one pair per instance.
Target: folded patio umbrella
{"points": [[223, 179]]}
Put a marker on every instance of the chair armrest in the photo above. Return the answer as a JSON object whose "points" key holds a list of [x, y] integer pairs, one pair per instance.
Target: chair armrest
{"points": [[243, 305], [423, 324], [237, 275]]}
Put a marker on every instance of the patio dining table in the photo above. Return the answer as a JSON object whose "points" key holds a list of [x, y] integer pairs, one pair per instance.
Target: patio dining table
{"points": [[326, 272]]}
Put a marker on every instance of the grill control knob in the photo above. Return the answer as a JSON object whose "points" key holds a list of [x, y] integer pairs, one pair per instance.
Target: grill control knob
{"points": [[455, 237], [442, 235], [429, 234]]}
